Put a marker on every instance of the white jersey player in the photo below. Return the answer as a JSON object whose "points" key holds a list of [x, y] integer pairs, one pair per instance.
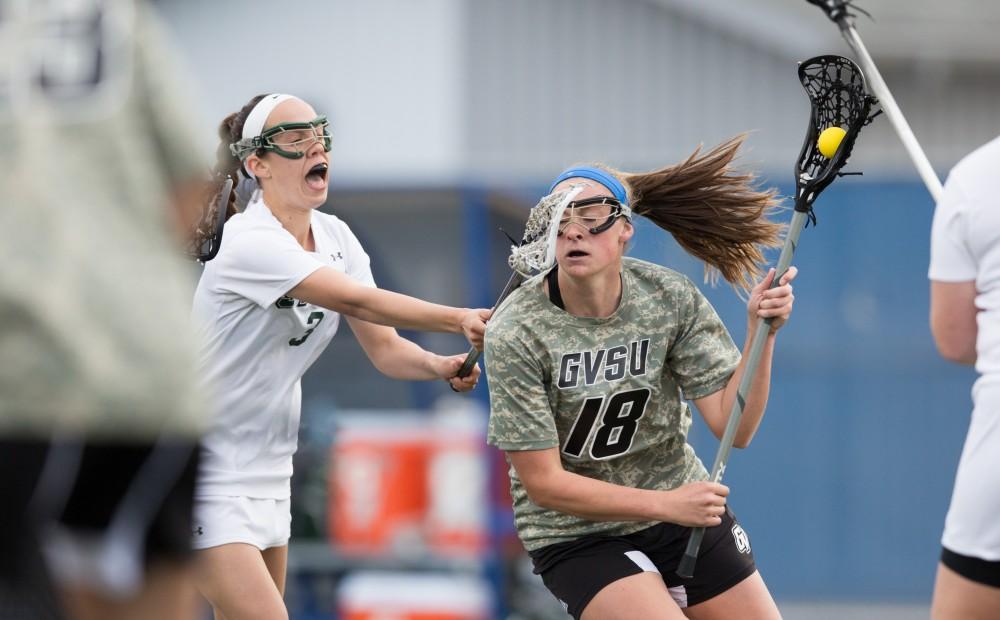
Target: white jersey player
{"points": [[965, 321], [268, 304]]}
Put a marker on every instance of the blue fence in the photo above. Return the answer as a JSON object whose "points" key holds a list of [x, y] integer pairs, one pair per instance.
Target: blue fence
{"points": [[845, 488]]}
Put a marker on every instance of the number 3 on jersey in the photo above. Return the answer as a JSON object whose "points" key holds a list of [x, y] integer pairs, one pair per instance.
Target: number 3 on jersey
{"points": [[618, 424], [313, 316]]}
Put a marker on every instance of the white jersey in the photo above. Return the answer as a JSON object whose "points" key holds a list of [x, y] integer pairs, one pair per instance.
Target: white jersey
{"points": [[965, 246], [257, 343]]}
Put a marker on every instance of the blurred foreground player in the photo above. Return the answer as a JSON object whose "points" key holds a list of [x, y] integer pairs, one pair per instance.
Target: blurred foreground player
{"points": [[99, 414]]}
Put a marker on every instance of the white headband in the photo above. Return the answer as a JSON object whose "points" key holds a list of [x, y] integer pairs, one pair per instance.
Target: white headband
{"points": [[254, 124], [258, 115]]}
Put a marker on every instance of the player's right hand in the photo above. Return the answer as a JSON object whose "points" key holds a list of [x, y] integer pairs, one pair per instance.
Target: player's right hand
{"points": [[697, 504]]}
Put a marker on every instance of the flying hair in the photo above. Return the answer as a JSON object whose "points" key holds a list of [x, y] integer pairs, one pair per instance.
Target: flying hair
{"points": [[716, 213]]}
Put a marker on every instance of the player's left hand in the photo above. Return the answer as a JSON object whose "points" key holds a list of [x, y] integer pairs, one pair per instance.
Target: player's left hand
{"points": [[450, 368], [773, 303]]}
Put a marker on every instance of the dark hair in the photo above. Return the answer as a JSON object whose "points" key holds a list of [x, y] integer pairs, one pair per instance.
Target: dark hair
{"points": [[715, 213], [227, 164]]}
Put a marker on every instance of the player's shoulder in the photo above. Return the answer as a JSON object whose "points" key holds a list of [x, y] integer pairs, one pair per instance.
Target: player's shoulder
{"points": [[652, 279], [336, 228], [256, 217], [330, 222], [248, 233], [977, 169], [521, 308], [245, 230]]}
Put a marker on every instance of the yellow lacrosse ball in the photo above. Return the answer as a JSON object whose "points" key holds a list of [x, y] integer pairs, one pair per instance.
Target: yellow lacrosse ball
{"points": [[829, 141]]}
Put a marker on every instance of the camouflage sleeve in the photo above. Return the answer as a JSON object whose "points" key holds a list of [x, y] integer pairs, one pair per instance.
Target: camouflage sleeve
{"points": [[703, 356], [520, 415]]}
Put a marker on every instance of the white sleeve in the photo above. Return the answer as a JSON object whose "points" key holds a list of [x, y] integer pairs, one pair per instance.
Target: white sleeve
{"points": [[359, 266], [951, 259], [263, 266]]}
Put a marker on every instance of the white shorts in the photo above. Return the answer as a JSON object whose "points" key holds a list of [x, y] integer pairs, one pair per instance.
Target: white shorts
{"points": [[221, 520], [972, 527]]}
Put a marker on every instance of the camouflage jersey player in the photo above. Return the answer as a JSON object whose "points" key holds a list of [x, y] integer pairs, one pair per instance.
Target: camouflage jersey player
{"points": [[589, 365], [625, 372]]}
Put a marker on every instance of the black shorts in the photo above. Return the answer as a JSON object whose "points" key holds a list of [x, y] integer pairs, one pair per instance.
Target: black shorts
{"points": [[577, 570], [138, 494], [981, 571]]}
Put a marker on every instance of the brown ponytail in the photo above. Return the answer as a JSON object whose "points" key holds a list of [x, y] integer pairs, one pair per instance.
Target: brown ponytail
{"points": [[226, 165], [716, 214]]}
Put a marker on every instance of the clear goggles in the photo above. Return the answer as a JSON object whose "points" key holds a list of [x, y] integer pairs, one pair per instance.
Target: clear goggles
{"points": [[290, 140], [596, 214]]}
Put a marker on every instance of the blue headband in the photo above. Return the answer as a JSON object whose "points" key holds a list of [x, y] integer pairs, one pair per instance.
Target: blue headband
{"points": [[594, 174]]}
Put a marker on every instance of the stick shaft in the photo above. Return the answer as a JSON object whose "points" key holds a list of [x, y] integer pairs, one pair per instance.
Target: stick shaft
{"points": [[892, 110], [687, 564]]}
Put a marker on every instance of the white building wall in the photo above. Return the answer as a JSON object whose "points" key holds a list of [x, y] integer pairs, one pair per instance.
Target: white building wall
{"points": [[436, 91], [389, 74]]}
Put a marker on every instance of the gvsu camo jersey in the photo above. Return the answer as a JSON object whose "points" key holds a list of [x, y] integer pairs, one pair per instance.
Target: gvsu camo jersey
{"points": [[608, 392]]}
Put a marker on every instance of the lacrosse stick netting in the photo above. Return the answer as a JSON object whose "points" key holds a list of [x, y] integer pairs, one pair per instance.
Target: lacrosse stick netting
{"points": [[536, 252]]}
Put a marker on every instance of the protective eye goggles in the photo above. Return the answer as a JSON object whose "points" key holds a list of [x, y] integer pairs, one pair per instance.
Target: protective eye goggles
{"points": [[289, 140], [596, 214]]}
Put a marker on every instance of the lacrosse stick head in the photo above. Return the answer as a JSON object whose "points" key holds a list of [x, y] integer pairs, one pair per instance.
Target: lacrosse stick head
{"points": [[537, 251], [839, 97], [207, 236]]}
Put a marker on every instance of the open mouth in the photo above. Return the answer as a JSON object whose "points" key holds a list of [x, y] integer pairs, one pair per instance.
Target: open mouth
{"points": [[316, 177], [576, 254]]}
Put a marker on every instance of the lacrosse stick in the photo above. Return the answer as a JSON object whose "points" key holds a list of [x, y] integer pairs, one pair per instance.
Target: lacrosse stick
{"points": [[536, 252], [208, 232], [839, 12], [839, 98]]}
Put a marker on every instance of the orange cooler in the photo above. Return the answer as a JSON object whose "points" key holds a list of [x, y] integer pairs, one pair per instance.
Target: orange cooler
{"points": [[457, 496], [378, 496]]}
